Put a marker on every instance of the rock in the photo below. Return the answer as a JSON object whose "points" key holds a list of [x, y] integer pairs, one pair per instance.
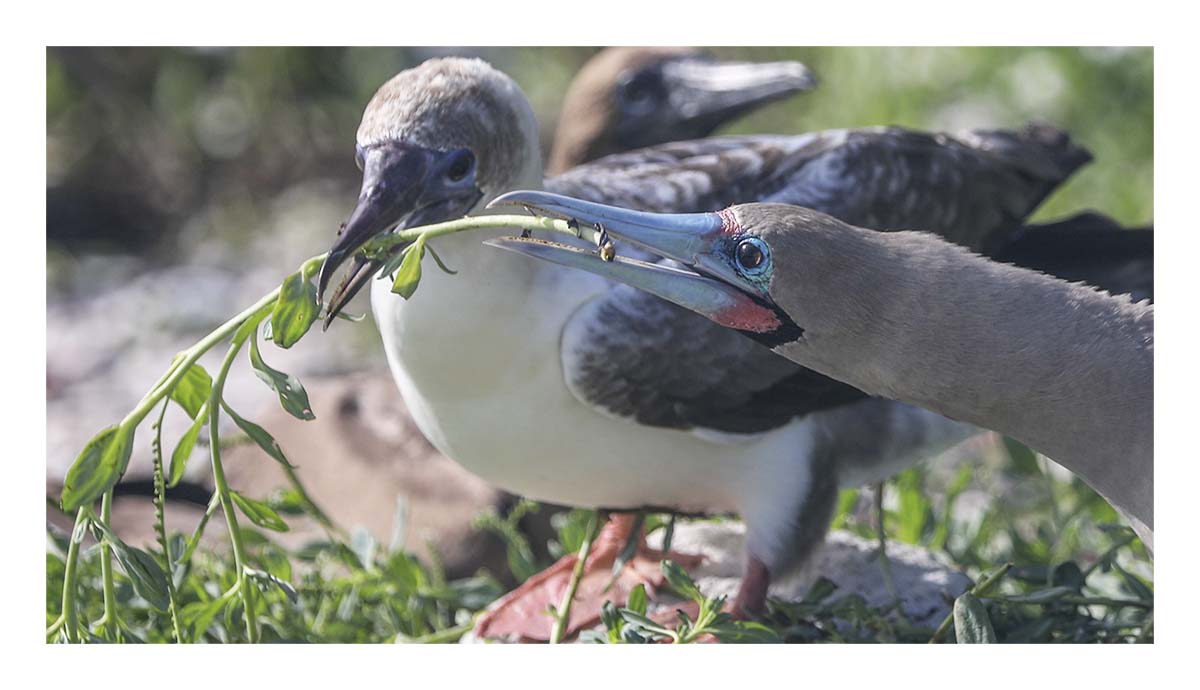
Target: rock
{"points": [[927, 586]]}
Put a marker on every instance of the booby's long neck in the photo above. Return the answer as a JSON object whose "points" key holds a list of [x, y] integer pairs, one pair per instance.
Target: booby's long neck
{"points": [[1059, 366]]}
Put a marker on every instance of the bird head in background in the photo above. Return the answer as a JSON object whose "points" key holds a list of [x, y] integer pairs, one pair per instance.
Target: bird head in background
{"points": [[632, 97]]}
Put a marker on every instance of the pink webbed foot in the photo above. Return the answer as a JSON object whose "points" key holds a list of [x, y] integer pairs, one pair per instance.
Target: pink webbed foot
{"points": [[523, 613]]}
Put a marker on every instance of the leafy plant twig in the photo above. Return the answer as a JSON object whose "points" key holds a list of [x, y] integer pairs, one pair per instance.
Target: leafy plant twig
{"points": [[978, 590]]}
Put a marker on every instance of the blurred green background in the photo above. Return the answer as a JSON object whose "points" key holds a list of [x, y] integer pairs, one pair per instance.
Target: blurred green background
{"points": [[140, 140]]}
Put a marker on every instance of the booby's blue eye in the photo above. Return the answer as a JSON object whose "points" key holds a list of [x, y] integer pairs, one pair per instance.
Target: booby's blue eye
{"points": [[753, 256]]}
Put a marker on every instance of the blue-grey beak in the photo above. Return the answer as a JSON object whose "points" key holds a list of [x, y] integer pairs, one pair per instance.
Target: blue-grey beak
{"points": [[684, 237], [689, 290], [709, 288]]}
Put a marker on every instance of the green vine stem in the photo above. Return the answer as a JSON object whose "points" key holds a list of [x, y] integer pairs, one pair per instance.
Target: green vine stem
{"points": [[484, 223], [160, 522], [563, 615], [186, 559], [112, 624], [69, 612], [166, 383], [222, 487]]}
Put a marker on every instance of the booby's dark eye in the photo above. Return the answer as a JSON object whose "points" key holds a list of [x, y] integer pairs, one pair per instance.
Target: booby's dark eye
{"points": [[460, 166], [641, 91], [753, 255]]}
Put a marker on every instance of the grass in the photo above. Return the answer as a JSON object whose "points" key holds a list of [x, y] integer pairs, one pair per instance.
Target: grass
{"points": [[1067, 573]]}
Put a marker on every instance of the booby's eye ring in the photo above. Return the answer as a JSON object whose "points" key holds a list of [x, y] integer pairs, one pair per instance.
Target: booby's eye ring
{"points": [[461, 165], [753, 256]]}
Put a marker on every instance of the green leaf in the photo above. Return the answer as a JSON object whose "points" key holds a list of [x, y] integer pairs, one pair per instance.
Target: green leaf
{"points": [[295, 311], [637, 600], [646, 624], [193, 390], [259, 513], [99, 466], [1024, 460], [259, 435], [679, 580], [200, 615], [292, 395], [441, 264], [409, 273], [571, 529], [149, 580], [744, 632], [819, 591], [287, 501], [183, 451], [971, 622], [612, 620], [284, 586]]}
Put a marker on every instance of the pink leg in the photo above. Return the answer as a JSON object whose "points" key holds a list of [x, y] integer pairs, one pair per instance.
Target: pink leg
{"points": [[751, 599]]}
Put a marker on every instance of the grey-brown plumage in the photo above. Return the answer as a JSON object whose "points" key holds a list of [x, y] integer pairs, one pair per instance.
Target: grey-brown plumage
{"points": [[1062, 367]]}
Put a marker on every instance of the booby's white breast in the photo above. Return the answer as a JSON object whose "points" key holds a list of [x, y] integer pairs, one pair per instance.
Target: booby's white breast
{"points": [[477, 358]]}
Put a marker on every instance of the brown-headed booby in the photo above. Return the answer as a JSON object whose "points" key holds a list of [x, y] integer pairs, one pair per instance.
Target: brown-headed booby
{"points": [[1062, 367], [630, 97], [547, 383]]}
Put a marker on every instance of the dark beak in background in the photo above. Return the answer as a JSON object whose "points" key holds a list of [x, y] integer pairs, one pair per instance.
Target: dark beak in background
{"points": [[706, 285], [705, 93], [402, 185]]}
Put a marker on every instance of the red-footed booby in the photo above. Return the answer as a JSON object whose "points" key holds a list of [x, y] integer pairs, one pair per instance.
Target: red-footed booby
{"points": [[1062, 367], [550, 384]]}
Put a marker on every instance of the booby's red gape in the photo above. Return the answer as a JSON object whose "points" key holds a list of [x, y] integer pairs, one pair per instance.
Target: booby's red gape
{"points": [[567, 388]]}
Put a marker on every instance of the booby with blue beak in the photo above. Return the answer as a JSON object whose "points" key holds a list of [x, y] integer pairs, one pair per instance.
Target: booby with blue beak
{"points": [[1063, 367]]}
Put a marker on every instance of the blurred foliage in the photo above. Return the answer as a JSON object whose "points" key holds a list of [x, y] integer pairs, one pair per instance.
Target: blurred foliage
{"points": [[140, 140]]}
